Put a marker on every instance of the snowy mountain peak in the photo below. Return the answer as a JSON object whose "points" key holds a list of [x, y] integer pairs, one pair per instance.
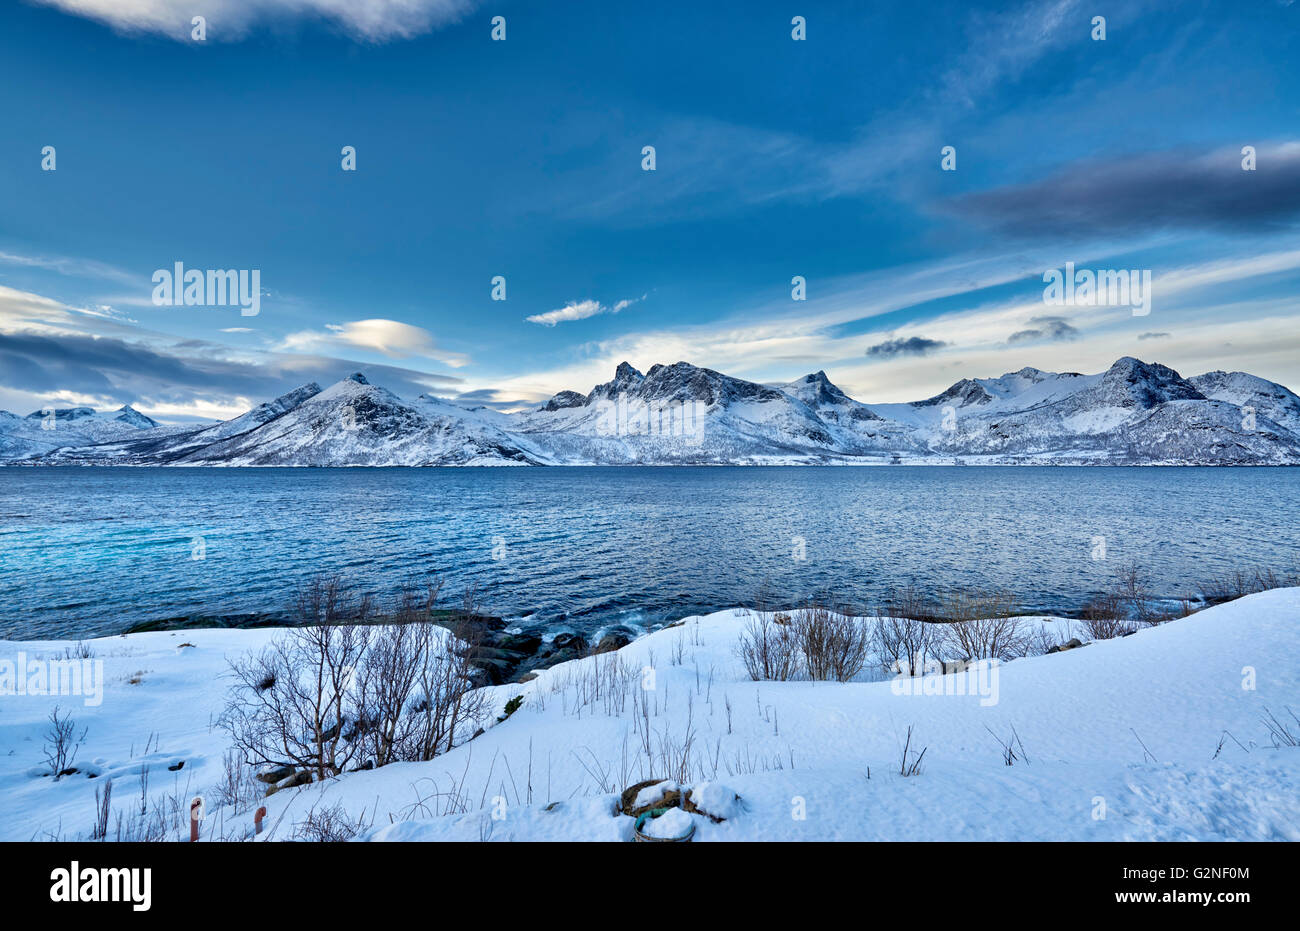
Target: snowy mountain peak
{"points": [[817, 389], [817, 385], [63, 414], [682, 381], [1029, 374], [1131, 382], [626, 380], [564, 399], [353, 387], [962, 394], [128, 414], [825, 397], [125, 414]]}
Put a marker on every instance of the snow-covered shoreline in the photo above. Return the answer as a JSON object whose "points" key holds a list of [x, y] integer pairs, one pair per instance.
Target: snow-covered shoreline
{"points": [[1155, 736]]}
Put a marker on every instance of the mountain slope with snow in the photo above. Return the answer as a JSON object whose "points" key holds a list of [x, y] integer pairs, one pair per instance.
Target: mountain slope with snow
{"points": [[1265, 398], [41, 432], [682, 413], [355, 423], [1134, 413]]}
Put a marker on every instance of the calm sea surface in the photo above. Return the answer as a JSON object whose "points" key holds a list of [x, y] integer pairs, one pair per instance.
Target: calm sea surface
{"points": [[91, 551]]}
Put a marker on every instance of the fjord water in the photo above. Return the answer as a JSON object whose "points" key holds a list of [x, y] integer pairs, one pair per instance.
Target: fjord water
{"points": [[94, 550]]}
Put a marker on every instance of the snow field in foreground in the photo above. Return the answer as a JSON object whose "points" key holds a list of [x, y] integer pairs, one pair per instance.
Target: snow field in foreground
{"points": [[1156, 736]]}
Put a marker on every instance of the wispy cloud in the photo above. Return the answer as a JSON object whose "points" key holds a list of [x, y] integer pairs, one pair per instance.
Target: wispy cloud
{"points": [[71, 267], [1003, 45], [581, 310], [369, 20]]}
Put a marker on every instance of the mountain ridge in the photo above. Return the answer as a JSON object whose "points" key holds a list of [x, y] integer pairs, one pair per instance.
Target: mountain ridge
{"points": [[1134, 413]]}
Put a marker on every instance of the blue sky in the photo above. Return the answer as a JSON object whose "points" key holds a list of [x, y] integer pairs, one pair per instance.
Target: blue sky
{"points": [[522, 158]]}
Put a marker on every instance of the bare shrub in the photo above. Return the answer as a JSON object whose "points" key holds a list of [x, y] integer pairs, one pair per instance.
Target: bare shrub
{"points": [[833, 645], [82, 650], [1010, 746], [982, 626], [102, 802], [165, 818], [445, 703], [604, 680], [144, 788], [299, 718], [762, 600], [331, 825], [62, 743], [675, 754], [1133, 588], [904, 640], [1283, 733], [1242, 582], [1123, 607], [337, 691], [1041, 639], [387, 679], [238, 787], [1106, 617], [909, 762], [767, 647]]}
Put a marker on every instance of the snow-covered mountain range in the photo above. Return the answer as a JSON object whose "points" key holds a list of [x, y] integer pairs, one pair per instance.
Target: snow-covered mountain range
{"points": [[1134, 413]]}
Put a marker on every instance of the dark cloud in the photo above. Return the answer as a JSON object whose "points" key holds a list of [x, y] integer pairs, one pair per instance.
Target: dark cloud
{"points": [[1153, 336], [478, 396], [132, 373], [913, 346], [1145, 193], [492, 397], [92, 365], [1053, 329]]}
